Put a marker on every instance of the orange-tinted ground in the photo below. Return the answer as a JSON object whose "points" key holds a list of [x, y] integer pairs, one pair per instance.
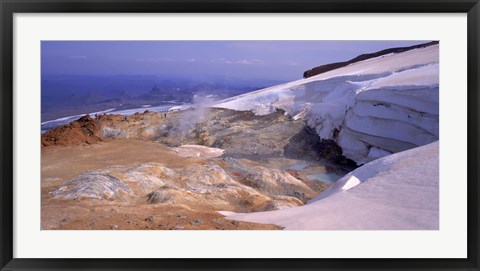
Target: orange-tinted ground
{"points": [[167, 188], [62, 163]]}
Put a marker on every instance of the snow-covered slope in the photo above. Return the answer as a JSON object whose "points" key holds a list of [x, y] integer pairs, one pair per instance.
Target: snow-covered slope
{"points": [[371, 108], [398, 192]]}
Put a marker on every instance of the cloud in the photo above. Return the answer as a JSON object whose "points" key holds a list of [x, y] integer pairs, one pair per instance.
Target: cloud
{"points": [[292, 63], [241, 61], [220, 60], [251, 61], [191, 60]]}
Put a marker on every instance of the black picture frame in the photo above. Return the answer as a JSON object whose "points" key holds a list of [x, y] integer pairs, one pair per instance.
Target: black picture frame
{"points": [[10, 7]]}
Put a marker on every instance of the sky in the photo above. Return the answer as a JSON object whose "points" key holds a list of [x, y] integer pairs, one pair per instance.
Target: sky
{"points": [[271, 60]]}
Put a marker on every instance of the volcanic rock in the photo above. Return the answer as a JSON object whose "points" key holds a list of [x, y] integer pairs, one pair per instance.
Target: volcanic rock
{"points": [[93, 186], [85, 130]]}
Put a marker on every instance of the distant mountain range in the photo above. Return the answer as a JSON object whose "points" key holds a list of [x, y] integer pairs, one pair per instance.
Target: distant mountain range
{"points": [[66, 95]]}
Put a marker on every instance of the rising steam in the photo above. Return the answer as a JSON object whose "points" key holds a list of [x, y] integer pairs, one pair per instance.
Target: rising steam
{"points": [[197, 114]]}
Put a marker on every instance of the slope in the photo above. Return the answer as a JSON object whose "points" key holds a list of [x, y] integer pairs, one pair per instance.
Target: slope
{"points": [[370, 108], [398, 192]]}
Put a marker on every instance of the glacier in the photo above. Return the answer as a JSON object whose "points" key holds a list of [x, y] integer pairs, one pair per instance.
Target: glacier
{"points": [[371, 108]]}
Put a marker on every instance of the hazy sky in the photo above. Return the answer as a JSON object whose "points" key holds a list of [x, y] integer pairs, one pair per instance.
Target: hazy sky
{"points": [[276, 60]]}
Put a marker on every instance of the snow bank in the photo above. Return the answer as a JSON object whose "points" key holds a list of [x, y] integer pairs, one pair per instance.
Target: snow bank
{"points": [[398, 192], [198, 151], [370, 108]]}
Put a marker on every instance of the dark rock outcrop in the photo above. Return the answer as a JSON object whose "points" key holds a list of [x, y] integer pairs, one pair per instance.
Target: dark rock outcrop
{"points": [[336, 65], [85, 130]]}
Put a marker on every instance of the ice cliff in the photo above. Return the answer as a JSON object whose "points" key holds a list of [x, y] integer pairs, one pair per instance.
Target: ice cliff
{"points": [[370, 108]]}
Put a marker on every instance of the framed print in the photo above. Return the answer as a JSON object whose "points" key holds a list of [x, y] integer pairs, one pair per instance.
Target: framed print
{"points": [[239, 135]]}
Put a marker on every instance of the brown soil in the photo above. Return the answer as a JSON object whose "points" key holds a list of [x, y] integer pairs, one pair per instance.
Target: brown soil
{"points": [[84, 130], [200, 186], [62, 163], [240, 134], [94, 215]]}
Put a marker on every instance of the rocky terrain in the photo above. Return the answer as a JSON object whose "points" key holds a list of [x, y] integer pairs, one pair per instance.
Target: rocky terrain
{"points": [[174, 171], [239, 133], [397, 192], [261, 157]]}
